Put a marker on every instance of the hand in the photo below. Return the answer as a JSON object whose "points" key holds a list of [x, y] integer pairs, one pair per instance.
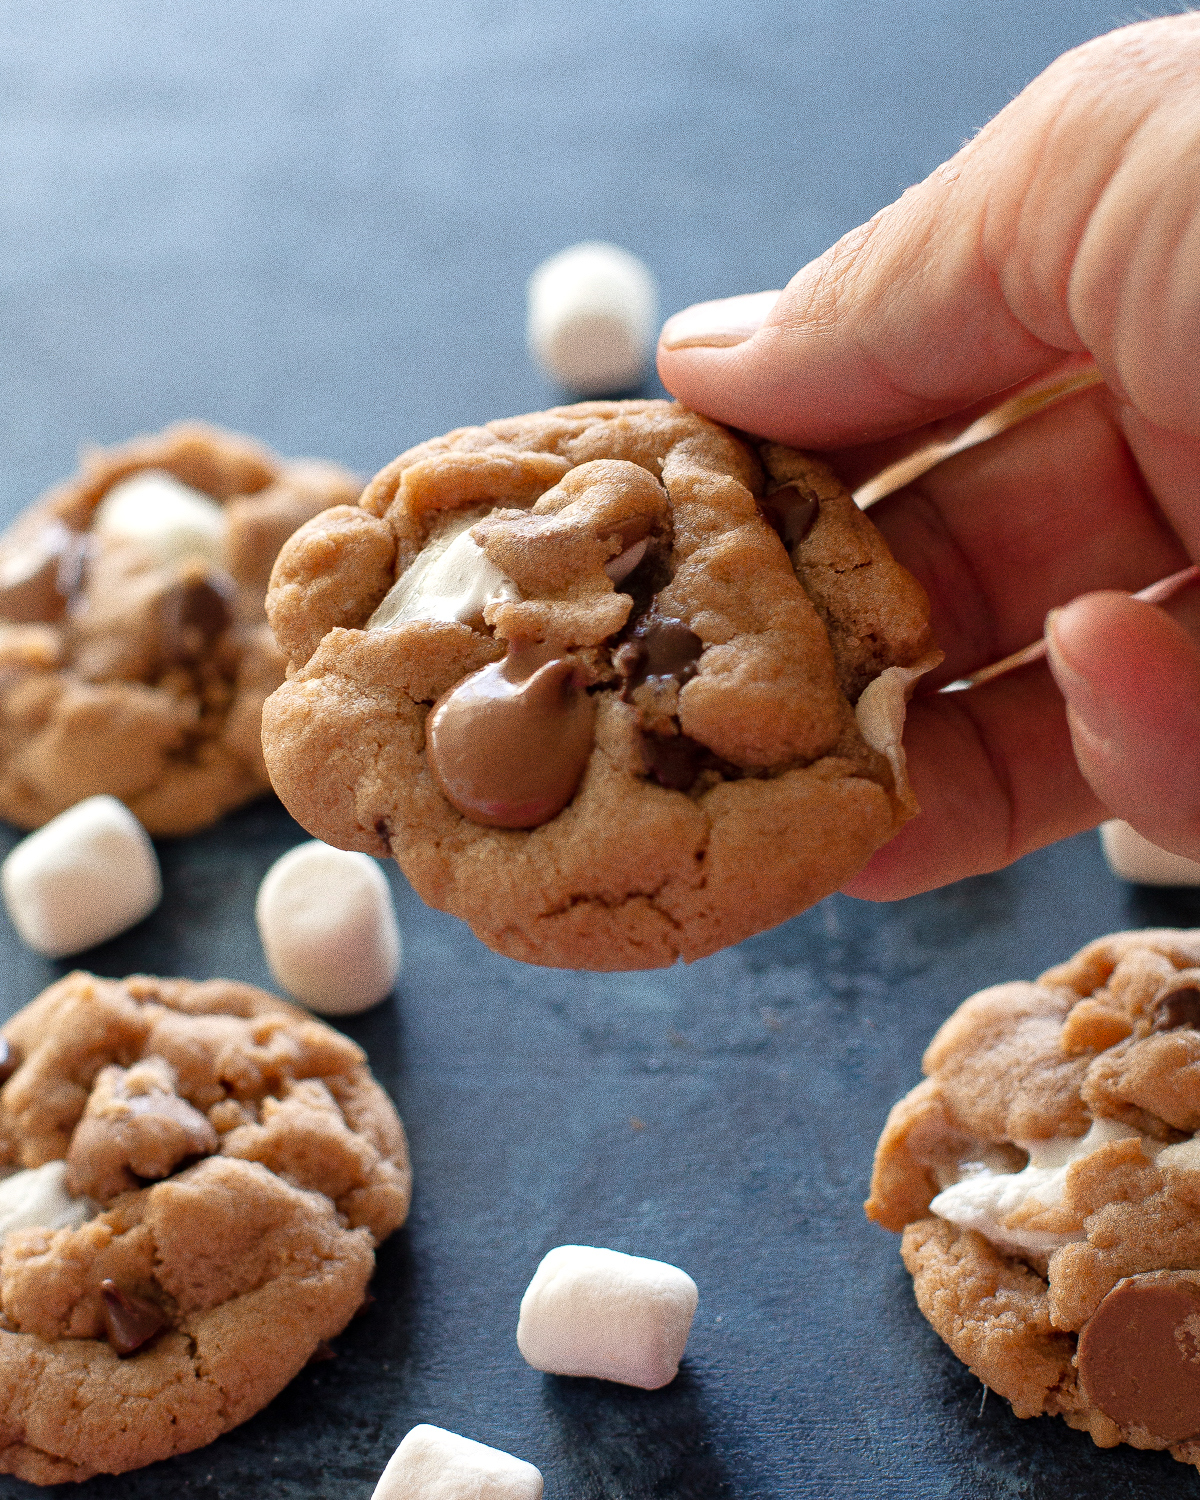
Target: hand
{"points": [[1069, 227]]}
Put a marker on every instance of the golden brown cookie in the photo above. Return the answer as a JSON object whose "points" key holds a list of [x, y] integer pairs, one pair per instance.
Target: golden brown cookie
{"points": [[207, 1173], [612, 683], [134, 654], [1046, 1176]]}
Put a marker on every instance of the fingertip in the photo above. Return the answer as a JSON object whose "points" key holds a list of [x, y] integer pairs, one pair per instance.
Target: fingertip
{"points": [[716, 325]]}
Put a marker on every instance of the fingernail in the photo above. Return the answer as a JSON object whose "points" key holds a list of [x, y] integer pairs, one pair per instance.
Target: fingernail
{"points": [[717, 325]]}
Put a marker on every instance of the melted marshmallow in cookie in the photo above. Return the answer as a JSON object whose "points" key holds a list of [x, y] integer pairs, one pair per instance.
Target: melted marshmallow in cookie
{"points": [[988, 1201], [452, 579]]}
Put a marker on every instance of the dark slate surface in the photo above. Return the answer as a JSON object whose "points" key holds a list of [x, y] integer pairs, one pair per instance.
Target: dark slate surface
{"points": [[314, 222]]}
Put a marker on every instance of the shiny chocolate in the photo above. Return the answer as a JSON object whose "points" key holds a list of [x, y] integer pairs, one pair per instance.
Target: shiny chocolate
{"points": [[676, 761], [1139, 1355], [130, 1321], [508, 745], [790, 514], [191, 615], [1180, 1008], [660, 648]]}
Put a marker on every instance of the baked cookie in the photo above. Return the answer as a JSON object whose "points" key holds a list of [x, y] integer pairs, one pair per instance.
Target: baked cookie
{"points": [[206, 1174], [134, 653], [613, 684], [1046, 1176]]}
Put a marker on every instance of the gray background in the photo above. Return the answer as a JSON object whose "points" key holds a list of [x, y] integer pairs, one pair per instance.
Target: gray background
{"points": [[314, 223]]}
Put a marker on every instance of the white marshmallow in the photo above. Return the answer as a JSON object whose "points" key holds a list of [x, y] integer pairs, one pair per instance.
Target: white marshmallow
{"points": [[994, 1204], [592, 318], [1132, 857], [38, 1199], [433, 1464], [329, 929], [167, 519], [612, 1316], [451, 579], [82, 878]]}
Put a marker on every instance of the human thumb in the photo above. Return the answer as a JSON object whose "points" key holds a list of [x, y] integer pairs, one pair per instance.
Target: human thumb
{"points": [[1063, 227]]}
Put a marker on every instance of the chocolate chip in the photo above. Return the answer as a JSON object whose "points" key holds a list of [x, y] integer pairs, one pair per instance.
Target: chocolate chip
{"points": [[192, 614], [1179, 1008], [131, 1321], [790, 514], [509, 744], [1139, 1355], [10, 1060], [676, 760], [659, 647], [321, 1353]]}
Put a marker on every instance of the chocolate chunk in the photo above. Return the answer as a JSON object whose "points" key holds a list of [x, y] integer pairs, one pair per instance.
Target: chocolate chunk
{"points": [[509, 744], [1179, 1008], [676, 760], [39, 576], [10, 1060], [790, 514], [324, 1351], [1139, 1355], [191, 615], [659, 647], [130, 1321]]}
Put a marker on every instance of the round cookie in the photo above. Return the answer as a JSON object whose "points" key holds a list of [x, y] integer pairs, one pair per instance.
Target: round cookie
{"points": [[208, 1171], [613, 684], [1046, 1176], [134, 653]]}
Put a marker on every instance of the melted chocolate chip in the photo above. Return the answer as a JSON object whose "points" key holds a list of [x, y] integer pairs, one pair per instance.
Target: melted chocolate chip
{"points": [[658, 647], [790, 514], [1139, 1355], [10, 1060], [676, 760], [192, 615], [509, 744], [1179, 1008], [130, 1321]]}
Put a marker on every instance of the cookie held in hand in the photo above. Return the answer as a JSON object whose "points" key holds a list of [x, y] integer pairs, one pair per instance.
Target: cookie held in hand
{"points": [[208, 1171], [1046, 1176], [134, 653], [612, 683]]}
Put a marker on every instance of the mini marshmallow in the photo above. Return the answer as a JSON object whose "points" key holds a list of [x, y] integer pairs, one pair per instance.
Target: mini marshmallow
{"points": [[1132, 857], [451, 579], [329, 929], [433, 1464], [592, 318], [612, 1316], [165, 518], [38, 1199], [82, 878]]}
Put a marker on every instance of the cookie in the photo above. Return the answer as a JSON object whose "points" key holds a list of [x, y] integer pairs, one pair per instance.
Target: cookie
{"points": [[612, 683], [134, 653], [1046, 1176], [207, 1171]]}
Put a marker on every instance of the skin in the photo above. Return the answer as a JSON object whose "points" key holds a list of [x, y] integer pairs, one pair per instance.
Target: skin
{"points": [[1068, 228]]}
